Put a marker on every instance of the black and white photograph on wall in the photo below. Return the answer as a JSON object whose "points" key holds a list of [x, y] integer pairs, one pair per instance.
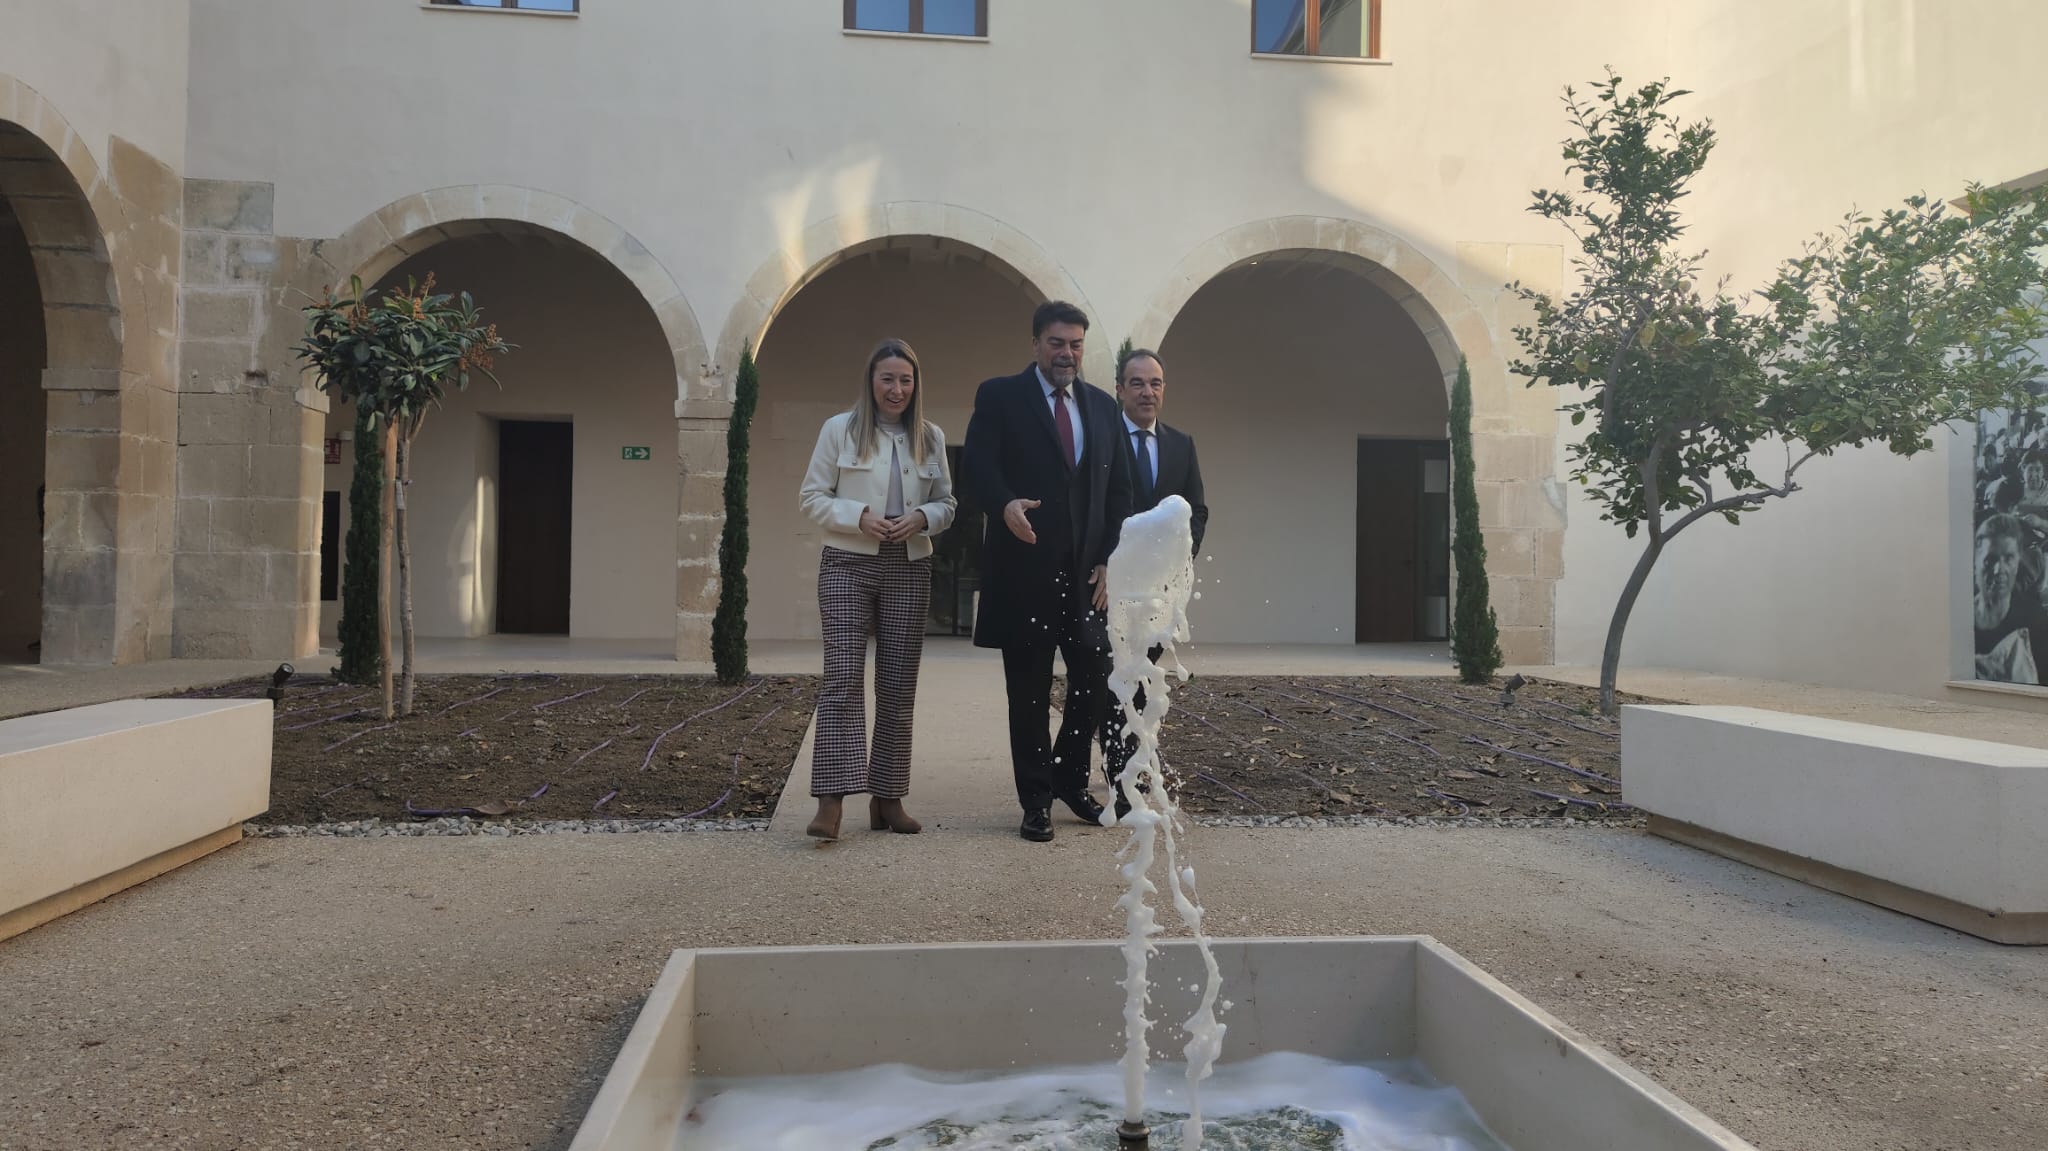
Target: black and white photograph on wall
{"points": [[2009, 548]]}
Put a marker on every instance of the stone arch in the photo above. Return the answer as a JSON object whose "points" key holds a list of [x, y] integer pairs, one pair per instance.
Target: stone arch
{"points": [[411, 224], [827, 243], [95, 419], [1514, 429], [1446, 316]]}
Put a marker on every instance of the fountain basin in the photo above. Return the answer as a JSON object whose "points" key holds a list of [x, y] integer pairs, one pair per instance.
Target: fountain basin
{"points": [[1016, 1006]]}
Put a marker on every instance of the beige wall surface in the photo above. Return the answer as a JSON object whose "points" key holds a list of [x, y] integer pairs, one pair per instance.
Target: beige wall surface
{"points": [[589, 352], [1120, 169], [110, 67]]}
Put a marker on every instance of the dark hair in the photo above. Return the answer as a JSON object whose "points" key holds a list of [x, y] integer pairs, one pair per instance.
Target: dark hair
{"points": [[2001, 527], [1136, 354], [1056, 312]]}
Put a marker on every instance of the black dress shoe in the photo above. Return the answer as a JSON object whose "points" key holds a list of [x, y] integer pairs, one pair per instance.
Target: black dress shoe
{"points": [[1084, 806], [1037, 826]]}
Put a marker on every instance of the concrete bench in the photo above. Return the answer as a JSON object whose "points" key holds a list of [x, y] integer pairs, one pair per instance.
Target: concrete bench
{"points": [[1954, 831], [97, 799]]}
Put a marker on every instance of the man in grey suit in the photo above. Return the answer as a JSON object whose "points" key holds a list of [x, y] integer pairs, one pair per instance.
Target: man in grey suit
{"points": [[1162, 463]]}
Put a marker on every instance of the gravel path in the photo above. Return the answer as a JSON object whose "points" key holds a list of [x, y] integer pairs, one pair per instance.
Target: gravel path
{"points": [[470, 991]]}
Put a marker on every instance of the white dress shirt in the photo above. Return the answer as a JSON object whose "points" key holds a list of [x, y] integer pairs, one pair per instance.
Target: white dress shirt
{"points": [[1073, 406], [1151, 442]]}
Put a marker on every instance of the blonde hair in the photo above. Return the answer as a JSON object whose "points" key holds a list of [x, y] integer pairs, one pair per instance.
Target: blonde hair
{"points": [[867, 417]]}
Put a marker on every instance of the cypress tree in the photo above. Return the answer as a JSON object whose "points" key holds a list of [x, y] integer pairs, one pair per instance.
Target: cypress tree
{"points": [[1475, 635], [729, 625], [360, 634]]}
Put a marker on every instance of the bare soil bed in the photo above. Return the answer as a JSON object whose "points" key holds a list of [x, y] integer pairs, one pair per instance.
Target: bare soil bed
{"points": [[535, 747], [1430, 748]]}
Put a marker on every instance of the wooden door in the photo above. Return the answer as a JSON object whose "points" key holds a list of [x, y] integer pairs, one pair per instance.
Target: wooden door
{"points": [[1404, 554], [536, 465]]}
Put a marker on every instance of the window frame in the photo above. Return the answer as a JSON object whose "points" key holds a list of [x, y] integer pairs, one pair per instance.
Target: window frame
{"points": [[575, 7], [1312, 20], [916, 23]]}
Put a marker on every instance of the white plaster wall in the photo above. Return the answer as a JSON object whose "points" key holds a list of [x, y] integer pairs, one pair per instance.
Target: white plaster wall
{"points": [[1119, 137], [1277, 370], [1822, 108], [110, 67], [590, 352]]}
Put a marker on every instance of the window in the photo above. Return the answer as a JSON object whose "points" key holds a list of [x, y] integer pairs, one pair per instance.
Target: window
{"points": [[522, 5], [924, 17], [1343, 28]]}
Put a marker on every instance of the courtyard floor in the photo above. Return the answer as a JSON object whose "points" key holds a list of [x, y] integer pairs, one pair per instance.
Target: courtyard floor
{"points": [[471, 991]]}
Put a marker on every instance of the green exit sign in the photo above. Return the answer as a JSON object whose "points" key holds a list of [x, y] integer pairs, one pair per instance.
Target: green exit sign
{"points": [[636, 453]]}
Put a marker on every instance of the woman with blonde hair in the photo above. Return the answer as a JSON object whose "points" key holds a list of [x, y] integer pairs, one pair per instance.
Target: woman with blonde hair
{"points": [[879, 487]]}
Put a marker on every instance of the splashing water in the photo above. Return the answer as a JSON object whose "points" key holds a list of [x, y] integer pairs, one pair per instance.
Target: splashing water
{"points": [[1275, 1102], [1151, 580]]}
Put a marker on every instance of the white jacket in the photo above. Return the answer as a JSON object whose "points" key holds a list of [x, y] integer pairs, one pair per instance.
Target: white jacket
{"points": [[838, 486]]}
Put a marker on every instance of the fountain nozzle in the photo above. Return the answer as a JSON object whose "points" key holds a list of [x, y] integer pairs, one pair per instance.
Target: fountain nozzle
{"points": [[1133, 1134]]}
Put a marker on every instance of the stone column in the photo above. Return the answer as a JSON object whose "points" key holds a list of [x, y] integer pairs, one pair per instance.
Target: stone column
{"points": [[701, 426], [249, 474], [1514, 448]]}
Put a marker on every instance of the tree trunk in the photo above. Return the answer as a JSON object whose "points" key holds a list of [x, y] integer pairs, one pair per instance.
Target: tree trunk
{"points": [[389, 513], [405, 568], [1610, 659]]}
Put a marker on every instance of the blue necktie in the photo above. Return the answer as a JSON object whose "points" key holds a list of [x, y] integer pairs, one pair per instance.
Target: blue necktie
{"points": [[1145, 477]]}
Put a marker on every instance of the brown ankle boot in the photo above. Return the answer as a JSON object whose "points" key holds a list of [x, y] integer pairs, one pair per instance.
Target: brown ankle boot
{"points": [[889, 813], [825, 825]]}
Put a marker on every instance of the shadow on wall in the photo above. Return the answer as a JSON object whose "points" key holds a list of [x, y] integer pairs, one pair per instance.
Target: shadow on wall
{"points": [[590, 358]]}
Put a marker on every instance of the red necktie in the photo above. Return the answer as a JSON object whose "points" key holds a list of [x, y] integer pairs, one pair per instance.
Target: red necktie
{"points": [[1063, 426]]}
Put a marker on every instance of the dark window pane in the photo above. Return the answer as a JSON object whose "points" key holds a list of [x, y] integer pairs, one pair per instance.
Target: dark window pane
{"points": [[950, 18], [1279, 26], [1343, 32], [882, 15]]}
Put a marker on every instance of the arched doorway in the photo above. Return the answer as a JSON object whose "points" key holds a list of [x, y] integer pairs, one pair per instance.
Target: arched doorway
{"points": [[968, 315], [1320, 413], [60, 413], [546, 505]]}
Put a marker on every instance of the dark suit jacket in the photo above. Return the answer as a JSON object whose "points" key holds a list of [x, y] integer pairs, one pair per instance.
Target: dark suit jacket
{"points": [[1180, 474], [1012, 452]]}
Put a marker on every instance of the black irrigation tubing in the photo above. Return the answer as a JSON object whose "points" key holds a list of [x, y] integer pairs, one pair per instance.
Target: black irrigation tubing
{"points": [[1464, 806], [478, 699], [606, 798], [1568, 723], [1356, 719], [720, 801], [295, 712], [1414, 719], [1581, 772], [566, 699], [329, 719], [1241, 743], [1603, 805], [1528, 704], [359, 735], [1230, 789], [743, 693], [345, 787], [634, 696], [588, 754], [1524, 732]]}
